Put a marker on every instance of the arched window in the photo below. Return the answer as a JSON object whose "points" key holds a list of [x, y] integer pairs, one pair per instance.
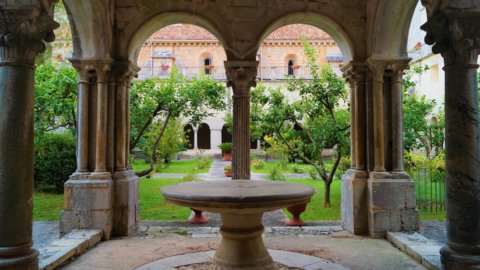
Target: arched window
{"points": [[203, 136], [207, 62], [290, 67]]}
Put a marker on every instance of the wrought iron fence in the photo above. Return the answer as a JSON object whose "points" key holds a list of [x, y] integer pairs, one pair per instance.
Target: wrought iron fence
{"points": [[430, 190]]}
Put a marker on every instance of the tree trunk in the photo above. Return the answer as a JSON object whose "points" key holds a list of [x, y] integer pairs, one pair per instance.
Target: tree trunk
{"points": [[326, 201]]}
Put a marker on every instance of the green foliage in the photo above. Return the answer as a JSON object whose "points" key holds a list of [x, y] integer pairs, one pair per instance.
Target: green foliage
{"points": [[423, 126], [56, 97], [297, 168], [191, 176], [275, 174], [155, 102], [226, 147], [55, 158], [227, 168], [204, 162], [172, 141], [313, 174], [258, 164]]}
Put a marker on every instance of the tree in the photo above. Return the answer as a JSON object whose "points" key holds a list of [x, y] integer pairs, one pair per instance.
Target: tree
{"points": [[317, 111], [56, 97], [158, 102], [423, 125]]}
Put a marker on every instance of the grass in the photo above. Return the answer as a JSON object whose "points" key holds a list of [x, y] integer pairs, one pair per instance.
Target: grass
{"points": [[175, 166], [47, 206], [153, 205]]}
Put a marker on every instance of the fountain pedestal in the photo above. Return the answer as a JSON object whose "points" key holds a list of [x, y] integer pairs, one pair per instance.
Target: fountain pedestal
{"points": [[241, 204]]}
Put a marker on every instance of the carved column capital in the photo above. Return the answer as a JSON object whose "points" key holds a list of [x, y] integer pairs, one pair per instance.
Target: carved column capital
{"points": [[125, 70], [84, 68], [241, 76], [355, 72], [24, 31], [377, 68], [455, 35]]}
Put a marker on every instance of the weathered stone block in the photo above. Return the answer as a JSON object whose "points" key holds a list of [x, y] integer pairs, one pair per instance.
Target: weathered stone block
{"points": [[410, 219], [354, 202], [125, 203], [379, 222]]}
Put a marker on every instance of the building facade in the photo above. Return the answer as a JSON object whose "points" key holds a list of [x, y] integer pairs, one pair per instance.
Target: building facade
{"points": [[195, 51]]}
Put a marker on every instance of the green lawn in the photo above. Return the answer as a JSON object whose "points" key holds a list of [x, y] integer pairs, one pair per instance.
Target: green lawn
{"points": [[152, 203], [47, 206], [175, 166]]}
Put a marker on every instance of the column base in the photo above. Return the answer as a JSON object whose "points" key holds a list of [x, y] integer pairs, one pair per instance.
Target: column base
{"points": [[354, 202], [24, 261], [391, 205], [242, 245], [455, 261], [126, 213], [87, 205]]}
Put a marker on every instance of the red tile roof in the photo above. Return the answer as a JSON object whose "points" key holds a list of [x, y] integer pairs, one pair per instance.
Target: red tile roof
{"points": [[191, 32]]}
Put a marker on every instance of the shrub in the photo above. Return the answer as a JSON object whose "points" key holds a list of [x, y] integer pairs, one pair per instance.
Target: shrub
{"points": [[227, 168], [191, 176], [226, 147], [297, 168], [203, 162], [55, 159], [313, 174], [258, 164], [275, 174]]}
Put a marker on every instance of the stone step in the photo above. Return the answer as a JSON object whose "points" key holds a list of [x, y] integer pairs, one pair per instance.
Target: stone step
{"points": [[417, 246], [71, 245]]}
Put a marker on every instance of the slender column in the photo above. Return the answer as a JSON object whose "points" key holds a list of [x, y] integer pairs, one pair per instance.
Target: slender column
{"points": [[121, 126], [84, 73], [353, 127], [360, 119], [241, 76], [397, 115], [195, 138], [378, 69], [457, 39], [20, 43], [102, 119]]}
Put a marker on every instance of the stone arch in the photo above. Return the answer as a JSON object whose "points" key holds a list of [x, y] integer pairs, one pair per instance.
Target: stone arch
{"points": [[189, 136], [389, 32], [334, 29], [226, 136], [203, 136], [157, 22]]}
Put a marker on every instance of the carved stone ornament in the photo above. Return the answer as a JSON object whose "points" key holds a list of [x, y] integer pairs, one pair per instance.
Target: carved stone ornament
{"points": [[24, 31], [241, 76], [455, 35]]}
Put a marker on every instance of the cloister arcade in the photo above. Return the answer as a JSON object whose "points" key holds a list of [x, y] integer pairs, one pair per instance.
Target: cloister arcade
{"points": [[378, 196]]}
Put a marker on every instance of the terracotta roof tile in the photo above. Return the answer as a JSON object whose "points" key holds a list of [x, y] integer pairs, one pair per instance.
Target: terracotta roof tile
{"points": [[192, 32]]}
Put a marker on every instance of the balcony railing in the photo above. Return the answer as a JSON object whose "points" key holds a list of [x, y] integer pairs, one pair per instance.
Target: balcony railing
{"points": [[264, 73]]}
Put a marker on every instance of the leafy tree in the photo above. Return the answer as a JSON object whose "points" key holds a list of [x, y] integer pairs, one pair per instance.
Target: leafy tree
{"points": [[56, 97], [173, 139], [323, 124], [156, 103], [423, 125]]}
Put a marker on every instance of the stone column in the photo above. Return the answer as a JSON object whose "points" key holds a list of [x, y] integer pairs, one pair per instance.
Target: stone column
{"points": [[102, 69], [354, 182], [125, 182], [378, 72], [195, 138], [88, 195], [456, 35], [391, 194], [397, 69], [215, 137], [23, 32], [241, 76], [84, 75]]}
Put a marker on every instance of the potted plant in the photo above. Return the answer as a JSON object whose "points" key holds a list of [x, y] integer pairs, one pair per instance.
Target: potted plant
{"points": [[164, 67], [210, 67], [228, 170], [296, 66], [226, 150]]}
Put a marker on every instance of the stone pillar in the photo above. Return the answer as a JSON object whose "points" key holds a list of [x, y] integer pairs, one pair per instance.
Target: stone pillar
{"points": [[241, 76], [195, 138], [215, 137], [397, 115], [88, 195], [354, 182], [102, 70], [23, 31], [391, 193], [125, 182], [84, 77], [456, 35]]}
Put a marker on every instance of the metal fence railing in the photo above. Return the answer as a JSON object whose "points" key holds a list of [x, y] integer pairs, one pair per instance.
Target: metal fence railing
{"points": [[430, 190]]}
